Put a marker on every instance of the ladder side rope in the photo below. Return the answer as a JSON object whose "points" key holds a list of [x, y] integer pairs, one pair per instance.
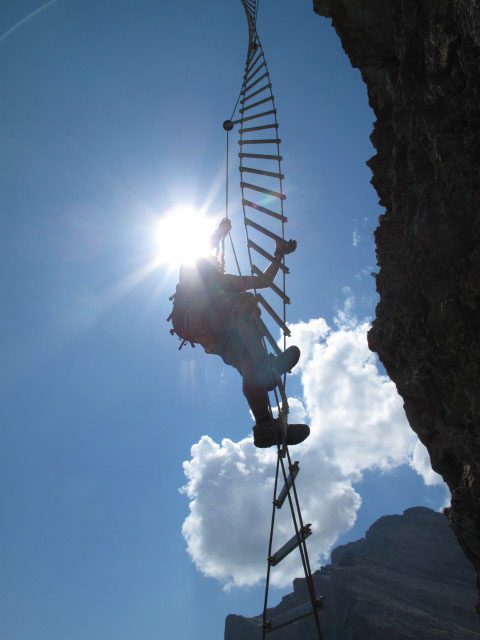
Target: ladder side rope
{"points": [[222, 259], [270, 543]]}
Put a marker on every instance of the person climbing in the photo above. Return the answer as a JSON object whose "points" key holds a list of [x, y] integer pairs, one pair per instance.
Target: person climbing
{"points": [[215, 310]]}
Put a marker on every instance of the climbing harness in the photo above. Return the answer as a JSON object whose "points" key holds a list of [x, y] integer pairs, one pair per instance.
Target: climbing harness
{"points": [[261, 183]]}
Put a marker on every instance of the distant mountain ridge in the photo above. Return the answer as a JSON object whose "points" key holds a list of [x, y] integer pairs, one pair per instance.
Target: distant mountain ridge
{"points": [[407, 579]]}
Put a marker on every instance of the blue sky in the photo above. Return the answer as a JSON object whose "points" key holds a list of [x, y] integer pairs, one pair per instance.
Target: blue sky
{"points": [[110, 115]]}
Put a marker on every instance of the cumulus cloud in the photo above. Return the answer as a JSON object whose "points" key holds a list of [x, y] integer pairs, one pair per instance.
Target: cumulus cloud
{"points": [[230, 487], [356, 415], [420, 462], [357, 423]]}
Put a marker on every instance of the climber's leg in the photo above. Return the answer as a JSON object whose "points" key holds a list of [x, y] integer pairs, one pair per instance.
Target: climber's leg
{"points": [[245, 319], [253, 390], [267, 432]]}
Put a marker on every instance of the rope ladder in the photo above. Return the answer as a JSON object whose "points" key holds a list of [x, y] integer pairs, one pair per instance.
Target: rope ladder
{"points": [[263, 197]]}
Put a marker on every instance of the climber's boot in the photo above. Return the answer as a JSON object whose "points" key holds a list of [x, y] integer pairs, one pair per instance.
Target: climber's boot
{"points": [[276, 366], [268, 433], [285, 362]]}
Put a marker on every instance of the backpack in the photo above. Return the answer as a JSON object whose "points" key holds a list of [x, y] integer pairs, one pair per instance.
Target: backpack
{"points": [[177, 318], [182, 302]]}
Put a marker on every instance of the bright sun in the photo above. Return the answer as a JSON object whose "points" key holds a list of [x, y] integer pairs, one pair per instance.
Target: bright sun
{"points": [[183, 235]]}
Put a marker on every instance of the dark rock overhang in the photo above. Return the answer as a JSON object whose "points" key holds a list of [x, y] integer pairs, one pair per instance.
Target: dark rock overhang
{"points": [[420, 60]]}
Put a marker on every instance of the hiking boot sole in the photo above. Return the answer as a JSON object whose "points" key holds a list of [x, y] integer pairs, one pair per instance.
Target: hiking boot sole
{"points": [[266, 436]]}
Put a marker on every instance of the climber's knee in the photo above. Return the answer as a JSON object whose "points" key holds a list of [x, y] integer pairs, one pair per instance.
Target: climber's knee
{"points": [[250, 375], [246, 305]]}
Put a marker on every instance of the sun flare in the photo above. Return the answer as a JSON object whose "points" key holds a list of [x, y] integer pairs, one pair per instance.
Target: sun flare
{"points": [[183, 235]]}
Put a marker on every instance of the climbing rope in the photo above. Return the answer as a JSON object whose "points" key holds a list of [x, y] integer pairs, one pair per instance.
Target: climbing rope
{"points": [[222, 257]]}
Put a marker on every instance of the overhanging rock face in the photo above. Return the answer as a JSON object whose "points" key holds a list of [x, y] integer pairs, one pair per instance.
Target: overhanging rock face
{"points": [[420, 60], [406, 580]]}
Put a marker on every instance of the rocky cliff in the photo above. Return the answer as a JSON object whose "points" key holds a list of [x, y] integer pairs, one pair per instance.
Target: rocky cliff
{"points": [[407, 579], [420, 60]]}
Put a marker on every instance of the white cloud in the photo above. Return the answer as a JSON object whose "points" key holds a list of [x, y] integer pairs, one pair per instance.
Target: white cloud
{"points": [[420, 462], [230, 487], [356, 415], [357, 423], [298, 413]]}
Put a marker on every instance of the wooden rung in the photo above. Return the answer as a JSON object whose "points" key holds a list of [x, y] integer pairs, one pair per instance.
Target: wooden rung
{"points": [[253, 245], [269, 212], [289, 546], [269, 192], [250, 86], [254, 73], [274, 125], [257, 115], [275, 316], [293, 615], [263, 230], [255, 93], [272, 285], [261, 172], [256, 104], [250, 56], [260, 156], [294, 469], [261, 141], [266, 333], [252, 64]]}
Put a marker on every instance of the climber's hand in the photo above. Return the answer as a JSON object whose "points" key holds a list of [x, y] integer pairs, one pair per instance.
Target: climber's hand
{"points": [[224, 227], [222, 230], [284, 247]]}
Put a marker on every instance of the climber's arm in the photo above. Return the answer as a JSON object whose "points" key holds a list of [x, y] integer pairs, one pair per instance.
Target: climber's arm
{"points": [[281, 249]]}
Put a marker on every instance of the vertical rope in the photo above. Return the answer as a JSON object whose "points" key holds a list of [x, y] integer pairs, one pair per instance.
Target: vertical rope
{"points": [[227, 170], [226, 178], [222, 259]]}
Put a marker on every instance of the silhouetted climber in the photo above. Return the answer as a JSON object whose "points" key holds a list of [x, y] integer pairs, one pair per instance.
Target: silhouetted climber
{"points": [[215, 310]]}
